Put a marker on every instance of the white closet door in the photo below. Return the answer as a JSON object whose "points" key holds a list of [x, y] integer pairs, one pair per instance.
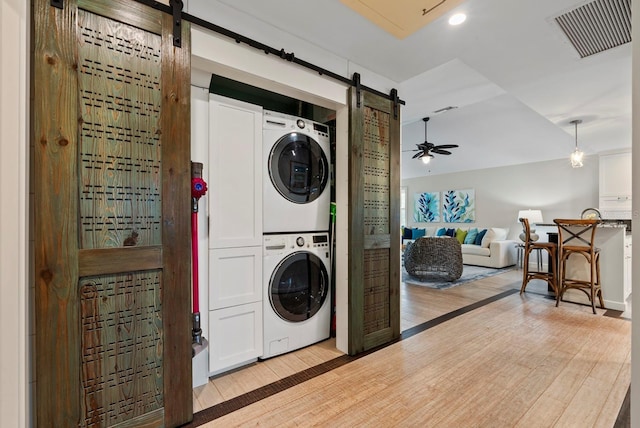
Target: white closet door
{"points": [[235, 162]]}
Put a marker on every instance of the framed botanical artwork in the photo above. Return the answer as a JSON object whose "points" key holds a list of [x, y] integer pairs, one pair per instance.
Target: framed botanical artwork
{"points": [[459, 206], [426, 208]]}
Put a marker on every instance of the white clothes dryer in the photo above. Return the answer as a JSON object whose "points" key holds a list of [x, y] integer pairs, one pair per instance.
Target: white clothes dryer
{"points": [[296, 162], [297, 293]]}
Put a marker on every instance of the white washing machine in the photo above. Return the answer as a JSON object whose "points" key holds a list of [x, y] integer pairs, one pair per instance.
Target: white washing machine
{"points": [[296, 162], [297, 293]]}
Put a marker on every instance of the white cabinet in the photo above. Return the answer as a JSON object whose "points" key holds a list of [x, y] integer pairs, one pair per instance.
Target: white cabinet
{"points": [[235, 276], [235, 173], [235, 233], [615, 185], [236, 336]]}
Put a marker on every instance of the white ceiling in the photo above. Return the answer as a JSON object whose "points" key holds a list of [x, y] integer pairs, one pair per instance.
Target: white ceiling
{"points": [[516, 80]]}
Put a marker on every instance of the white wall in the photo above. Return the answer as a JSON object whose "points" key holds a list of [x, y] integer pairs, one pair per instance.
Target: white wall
{"points": [[14, 357], [553, 186]]}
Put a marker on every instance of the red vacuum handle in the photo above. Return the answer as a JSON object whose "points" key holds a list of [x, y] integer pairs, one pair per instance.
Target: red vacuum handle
{"points": [[198, 189], [194, 261]]}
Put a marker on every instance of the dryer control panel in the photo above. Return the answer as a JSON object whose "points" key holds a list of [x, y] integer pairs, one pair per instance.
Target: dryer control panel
{"points": [[275, 120], [316, 241], [278, 243]]}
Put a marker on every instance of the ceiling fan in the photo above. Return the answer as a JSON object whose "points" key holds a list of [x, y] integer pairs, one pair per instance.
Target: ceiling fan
{"points": [[426, 150]]}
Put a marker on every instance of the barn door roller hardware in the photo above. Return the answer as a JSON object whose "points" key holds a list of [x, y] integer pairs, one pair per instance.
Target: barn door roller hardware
{"points": [[57, 3], [393, 96], [356, 84], [176, 7], [288, 56]]}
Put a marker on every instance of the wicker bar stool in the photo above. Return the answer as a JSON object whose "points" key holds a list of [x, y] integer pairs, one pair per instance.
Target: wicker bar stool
{"points": [[577, 237], [530, 246]]}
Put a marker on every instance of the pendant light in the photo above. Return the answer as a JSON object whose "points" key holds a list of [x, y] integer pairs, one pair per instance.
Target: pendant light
{"points": [[577, 155]]}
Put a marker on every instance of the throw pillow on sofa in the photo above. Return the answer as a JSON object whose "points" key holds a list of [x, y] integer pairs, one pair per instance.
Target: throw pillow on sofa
{"points": [[451, 232], [501, 233], [460, 235], [488, 238], [471, 236], [494, 234], [441, 232], [480, 237], [418, 233]]}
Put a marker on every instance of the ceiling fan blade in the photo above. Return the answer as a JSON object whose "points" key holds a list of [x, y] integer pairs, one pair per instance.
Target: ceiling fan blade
{"points": [[441, 152], [418, 155], [446, 146]]}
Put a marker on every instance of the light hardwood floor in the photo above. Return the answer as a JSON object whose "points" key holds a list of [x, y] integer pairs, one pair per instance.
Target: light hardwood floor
{"points": [[230, 385], [518, 361]]}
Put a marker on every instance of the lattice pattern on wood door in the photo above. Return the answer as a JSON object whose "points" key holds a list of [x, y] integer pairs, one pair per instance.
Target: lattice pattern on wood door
{"points": [[376, 218], [120, 99], [376, 171], [376, 290], [120, 205], [121, 324]]}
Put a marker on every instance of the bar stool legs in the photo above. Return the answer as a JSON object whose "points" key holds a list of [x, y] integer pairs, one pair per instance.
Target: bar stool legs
{"points": [[529, 247], [549, 276], [577, 237]]}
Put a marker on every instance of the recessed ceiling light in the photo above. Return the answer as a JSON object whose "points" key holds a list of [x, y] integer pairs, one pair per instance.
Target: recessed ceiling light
{"points": [[457, 19]]}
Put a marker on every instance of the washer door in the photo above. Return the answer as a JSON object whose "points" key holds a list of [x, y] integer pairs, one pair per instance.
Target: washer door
{"points": [[298, 168], [298, 286]]}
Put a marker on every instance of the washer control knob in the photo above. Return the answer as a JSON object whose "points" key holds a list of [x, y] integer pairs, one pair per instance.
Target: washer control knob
{"points": [[300, 241], [300, 123]]}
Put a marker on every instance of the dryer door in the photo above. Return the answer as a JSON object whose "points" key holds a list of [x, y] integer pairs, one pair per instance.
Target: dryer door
{"points": [[298, 168], [298, 286]]}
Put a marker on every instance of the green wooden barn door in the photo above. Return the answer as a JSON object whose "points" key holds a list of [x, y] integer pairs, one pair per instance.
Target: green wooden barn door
{"points": [[111, 183], [374, 222]]}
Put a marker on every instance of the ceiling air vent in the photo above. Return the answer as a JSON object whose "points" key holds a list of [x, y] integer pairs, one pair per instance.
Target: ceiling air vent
{"points": [[597, 26]]}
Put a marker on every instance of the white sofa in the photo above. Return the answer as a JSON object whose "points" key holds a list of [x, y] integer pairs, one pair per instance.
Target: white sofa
{"points": [[494, 251]]}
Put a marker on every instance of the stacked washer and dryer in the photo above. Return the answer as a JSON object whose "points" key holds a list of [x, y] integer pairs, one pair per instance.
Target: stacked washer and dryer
{"points": [[296, 204]]}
